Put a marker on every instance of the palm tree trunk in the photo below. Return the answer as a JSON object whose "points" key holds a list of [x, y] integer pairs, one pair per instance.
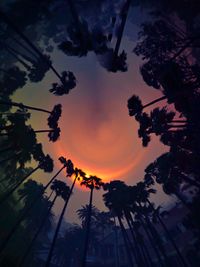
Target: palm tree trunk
{"points": [[24, 64], [24, 214], [21, 263], [5, 197], [154, 101], [77, 21], [26, 40], [124, 15], [43, 131], [158, 241], [18, 53], [87, 229], [125, 237], [137, 252], [48, 262], [151, 241], [20, 105], [116, 245], [147, 254], [132, 223], [190, 181], [169, 236]]}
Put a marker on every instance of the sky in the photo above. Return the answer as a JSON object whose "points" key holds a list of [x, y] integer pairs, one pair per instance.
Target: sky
{"points": [[97, 133]]}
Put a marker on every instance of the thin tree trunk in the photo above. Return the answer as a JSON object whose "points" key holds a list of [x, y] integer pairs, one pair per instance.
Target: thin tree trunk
{"points": [[181, 258], [24, 64], [137, 255], [23, 36], [132, 223], [124, 15], [20, 105], [124, 234], [158, 241], [116, 245], [87, 235], [43, 131], [151, 241], [154, 101], [21, 263], [5, 197], [77, 21], [24, 214], [190, 181], [50, 254]]}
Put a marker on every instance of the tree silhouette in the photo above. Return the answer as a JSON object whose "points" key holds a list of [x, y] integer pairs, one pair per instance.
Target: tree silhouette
{"points": [[91, 182], [67, 79]]}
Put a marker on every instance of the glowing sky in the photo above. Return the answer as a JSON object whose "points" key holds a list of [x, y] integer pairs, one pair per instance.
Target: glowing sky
{"points": [[96, 132]]}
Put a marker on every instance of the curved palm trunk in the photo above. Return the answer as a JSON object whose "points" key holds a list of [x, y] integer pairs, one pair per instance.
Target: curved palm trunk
{"points": [[24, 214], [26, 40], [21, 263], [87, 230], [48, 262], [124, 15], [5, 197], [169, 236], [14, 104], [126, 243]]}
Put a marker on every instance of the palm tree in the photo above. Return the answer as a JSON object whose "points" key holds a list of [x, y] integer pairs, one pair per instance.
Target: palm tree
{"points": [[91, 182], [115, 203], [68, 82], [144, 193], [46, 165], [13, 79], [56, 111], [29, 207], [67, 191], [83, 214], [135, 104], [124, 14], [66, 196], [67, 79]]}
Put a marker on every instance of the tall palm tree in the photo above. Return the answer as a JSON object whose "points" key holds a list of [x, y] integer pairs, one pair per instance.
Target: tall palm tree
{"points": [[144, 193], [27, 210], [91, 182], [115, 203], [66, 196]]}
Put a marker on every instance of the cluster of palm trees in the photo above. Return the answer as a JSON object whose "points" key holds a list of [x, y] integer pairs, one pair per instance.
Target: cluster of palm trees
{"points": [[171, 67], [82, 40], [34, 61]]}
